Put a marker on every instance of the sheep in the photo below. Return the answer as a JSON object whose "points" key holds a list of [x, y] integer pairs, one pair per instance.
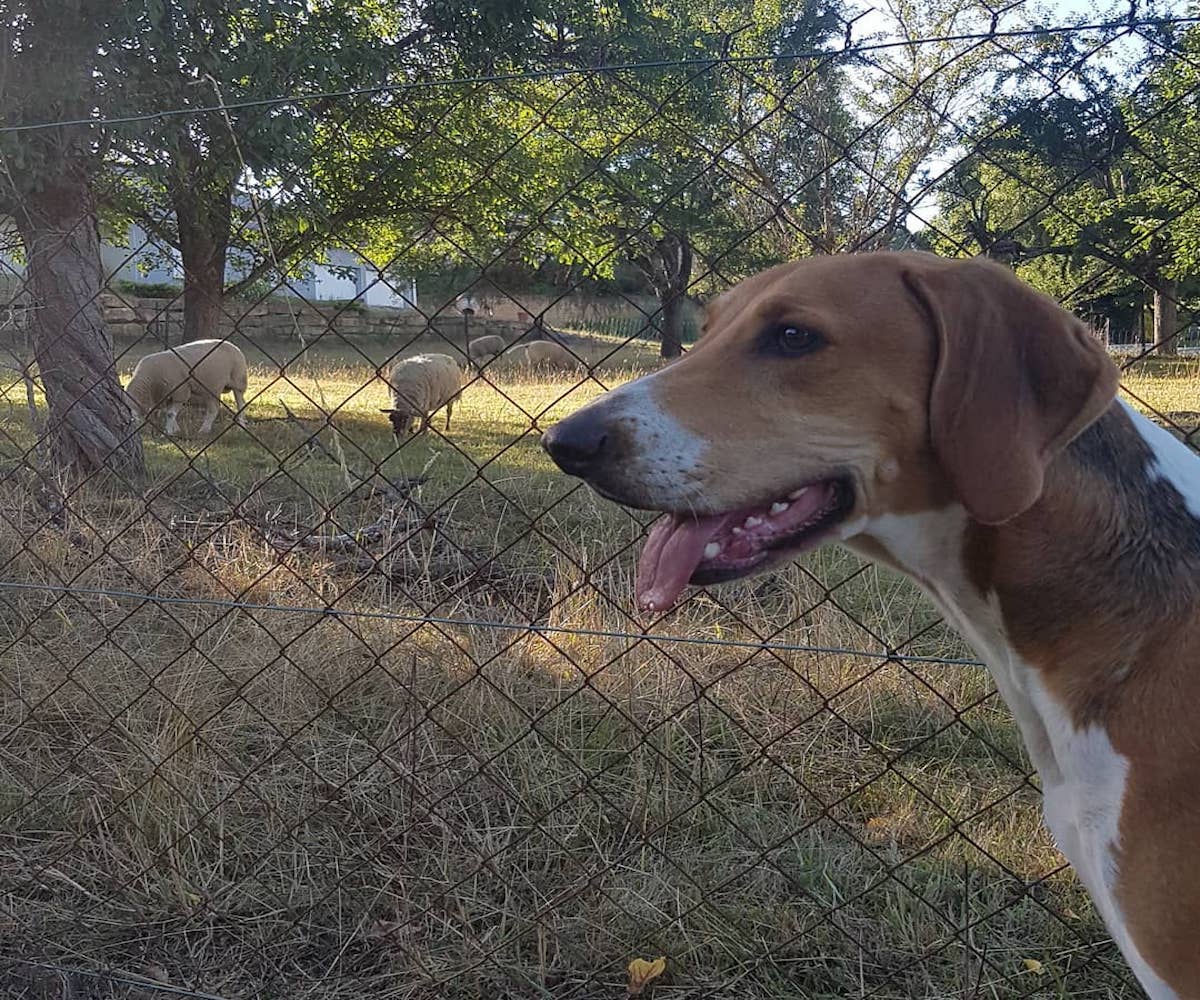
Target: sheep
{"points": [[484, 349], [422, 385], [204, 367], [546, 354]]}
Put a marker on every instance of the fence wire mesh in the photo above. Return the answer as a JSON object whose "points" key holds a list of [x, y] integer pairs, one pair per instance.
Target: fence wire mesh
{"points": [[298, 708]]}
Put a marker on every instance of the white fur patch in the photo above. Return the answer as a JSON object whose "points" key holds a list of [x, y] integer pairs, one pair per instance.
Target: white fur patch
{"points": [[1174, 461], [1083, 811], [1154, 985], [1083, 807], [668, 453]]}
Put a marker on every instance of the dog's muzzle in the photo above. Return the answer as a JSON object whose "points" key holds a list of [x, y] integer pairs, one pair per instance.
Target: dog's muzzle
{"points": [[583, 444]]}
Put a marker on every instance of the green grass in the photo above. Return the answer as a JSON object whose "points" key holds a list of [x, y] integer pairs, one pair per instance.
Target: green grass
{"points": [[281, 803]]}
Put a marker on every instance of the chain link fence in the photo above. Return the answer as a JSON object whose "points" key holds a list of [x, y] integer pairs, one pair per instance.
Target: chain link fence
{"points": [[300, 709]]}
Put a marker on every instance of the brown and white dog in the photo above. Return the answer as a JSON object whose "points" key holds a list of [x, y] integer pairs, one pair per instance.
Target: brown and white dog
{"points": [[947, 419]]}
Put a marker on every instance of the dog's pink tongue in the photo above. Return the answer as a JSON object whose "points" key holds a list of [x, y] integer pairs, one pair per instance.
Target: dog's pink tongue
{"points": [[670, 557]]}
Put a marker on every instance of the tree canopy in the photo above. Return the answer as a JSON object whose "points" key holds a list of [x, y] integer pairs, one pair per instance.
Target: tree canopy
{"points": [[1092, 195], [693, 144]]}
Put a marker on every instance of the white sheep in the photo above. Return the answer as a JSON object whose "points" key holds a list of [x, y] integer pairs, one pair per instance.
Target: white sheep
{"points": [[421, 385], [546, 354], [484, 349], [206, 368]]}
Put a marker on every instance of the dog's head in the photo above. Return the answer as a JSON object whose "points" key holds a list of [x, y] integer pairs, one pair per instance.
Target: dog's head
{"points": [[826, 393]]}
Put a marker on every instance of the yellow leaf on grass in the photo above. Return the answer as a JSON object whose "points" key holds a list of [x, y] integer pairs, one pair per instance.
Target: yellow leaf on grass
{"points": [[1033, 965], [642, 972]]}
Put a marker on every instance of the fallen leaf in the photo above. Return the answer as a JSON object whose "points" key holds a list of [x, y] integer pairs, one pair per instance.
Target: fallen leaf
{"points": [[642, 972], [1033, 965]]}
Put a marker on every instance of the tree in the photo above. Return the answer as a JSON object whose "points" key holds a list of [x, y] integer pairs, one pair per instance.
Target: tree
{"points": [[561, 169], [1091, 194], [1165, 139], [664, 198], [696, 173], [255, 178], [685, 168], [796, 128], [909, 101], [750, 161], [593, 170], [736, 160], [46, 188], [1060, 189], [205, 182]]}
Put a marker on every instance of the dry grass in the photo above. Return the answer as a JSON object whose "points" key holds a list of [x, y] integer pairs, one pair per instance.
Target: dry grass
{"points": [[287, 803]]}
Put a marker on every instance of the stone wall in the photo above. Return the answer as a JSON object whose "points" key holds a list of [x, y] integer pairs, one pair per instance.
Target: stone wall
{"points": [[132, 318], [574, 309]]}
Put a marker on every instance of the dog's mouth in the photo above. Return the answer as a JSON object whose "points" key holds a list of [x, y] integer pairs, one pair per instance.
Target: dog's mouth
{"points": [[686, 548]]}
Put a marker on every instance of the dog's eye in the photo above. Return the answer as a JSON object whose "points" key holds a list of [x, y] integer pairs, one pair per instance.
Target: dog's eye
{"points": [[797, 339]]}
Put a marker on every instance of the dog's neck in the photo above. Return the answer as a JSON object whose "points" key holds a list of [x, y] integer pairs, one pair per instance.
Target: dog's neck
{"points": [[1061, 601], [1085, 610], [1115, 535]]}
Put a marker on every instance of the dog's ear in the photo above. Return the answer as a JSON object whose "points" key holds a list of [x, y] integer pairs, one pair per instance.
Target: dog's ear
{"points": [[1017, 378]]}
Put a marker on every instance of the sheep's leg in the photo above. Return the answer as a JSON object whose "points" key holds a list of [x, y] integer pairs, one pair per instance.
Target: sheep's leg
{"points": [[172, 414], [210, 414], [239, 396], [449, 410]]}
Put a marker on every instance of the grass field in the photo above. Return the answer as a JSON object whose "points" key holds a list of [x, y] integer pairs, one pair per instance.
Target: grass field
{"points": [[277, 801]]}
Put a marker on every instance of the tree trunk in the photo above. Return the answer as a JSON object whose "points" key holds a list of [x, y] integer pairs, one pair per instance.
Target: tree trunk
{"points": [[47, 193], [203, 213], [1166, 317], [674, 272], [203, 300], [672, 326], [90, 425]]}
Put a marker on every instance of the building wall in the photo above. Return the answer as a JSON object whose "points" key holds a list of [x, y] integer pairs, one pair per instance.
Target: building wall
{"points": [[141, 259]]}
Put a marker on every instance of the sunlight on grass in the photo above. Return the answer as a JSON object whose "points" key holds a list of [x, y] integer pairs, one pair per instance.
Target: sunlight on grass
{"points": [[239, 789]]}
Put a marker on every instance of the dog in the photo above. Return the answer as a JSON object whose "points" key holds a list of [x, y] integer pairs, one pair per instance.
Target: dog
{"points": [[947, 419]]}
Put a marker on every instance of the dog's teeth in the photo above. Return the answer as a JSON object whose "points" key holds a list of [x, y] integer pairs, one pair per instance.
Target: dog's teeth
{"points": [[712, 550], [797, 494], [779, 508], [753, 522]]}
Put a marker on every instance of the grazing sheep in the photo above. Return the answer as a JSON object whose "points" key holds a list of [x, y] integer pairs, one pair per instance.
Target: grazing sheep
{"points": [[204, 367], [547, 354], [422, 385], [484, 349]]}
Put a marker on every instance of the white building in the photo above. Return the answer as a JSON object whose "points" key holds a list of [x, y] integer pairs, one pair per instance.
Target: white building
{"points": [[339, 275]]}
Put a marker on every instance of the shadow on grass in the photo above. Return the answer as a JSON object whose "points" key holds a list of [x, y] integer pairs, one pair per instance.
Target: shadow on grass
{"points": [[291, 807]]}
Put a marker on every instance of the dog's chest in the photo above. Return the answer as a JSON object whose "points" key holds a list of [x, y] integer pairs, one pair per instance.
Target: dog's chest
{"points": [[1083, 776]]}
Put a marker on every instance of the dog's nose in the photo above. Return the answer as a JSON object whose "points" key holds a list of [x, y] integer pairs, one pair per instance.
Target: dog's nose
{"points": [[577, 444]]}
